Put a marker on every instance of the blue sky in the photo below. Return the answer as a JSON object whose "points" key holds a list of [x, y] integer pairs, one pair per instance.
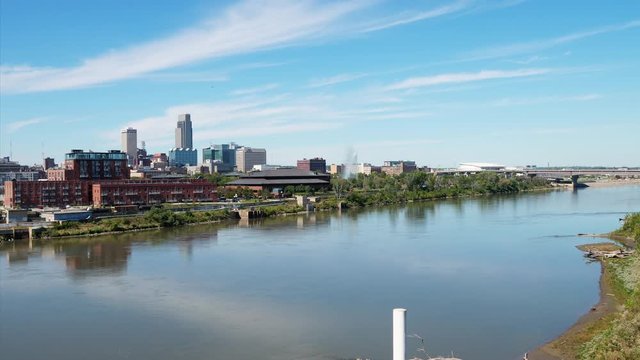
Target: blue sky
{"points": [[439, 82]]}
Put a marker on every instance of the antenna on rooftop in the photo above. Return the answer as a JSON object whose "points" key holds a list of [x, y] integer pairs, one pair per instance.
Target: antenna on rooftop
{"points": [[144, 145], [42, 146], [10, 148]]}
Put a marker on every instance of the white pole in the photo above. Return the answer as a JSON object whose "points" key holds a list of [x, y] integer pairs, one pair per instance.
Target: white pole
{"points": [[399, 333]]}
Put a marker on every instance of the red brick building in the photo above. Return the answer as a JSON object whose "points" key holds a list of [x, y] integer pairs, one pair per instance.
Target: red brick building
{"points": [[149, 192], [27, 194]]}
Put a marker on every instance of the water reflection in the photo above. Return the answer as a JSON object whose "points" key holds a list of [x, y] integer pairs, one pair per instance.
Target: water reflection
{"points": [[420, 211], [90, 259], [20, 253]]}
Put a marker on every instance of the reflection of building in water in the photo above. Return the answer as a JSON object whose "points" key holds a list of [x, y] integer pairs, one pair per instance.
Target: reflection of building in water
{"points": [[306, 220], [96, 258], [17, 256], [21, 254]]}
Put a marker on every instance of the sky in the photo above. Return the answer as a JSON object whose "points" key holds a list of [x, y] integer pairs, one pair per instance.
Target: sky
{"points": [[515, 82]]}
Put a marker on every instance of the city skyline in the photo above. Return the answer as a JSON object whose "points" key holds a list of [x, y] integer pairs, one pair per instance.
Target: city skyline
{"points": [[438, 82]]}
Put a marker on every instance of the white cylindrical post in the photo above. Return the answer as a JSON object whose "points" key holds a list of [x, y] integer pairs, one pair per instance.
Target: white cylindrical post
{"points": [[399, 334]]}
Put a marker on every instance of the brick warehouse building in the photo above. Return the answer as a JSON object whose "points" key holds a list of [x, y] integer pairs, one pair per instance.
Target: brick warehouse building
{"points": [[74, 185], [150, 192], [27, 194]]}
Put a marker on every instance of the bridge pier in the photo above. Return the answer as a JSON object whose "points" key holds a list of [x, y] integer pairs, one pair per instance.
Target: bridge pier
{"points": [[574, 181]]}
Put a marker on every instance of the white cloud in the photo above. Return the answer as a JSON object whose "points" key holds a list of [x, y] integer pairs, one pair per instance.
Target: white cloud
{"points": [[529, 60], [411, 17], [17, 125], [545, 99], [255, 90], [333, 80], [456, 78], [533, 46], [246, 27], [193, 77]]}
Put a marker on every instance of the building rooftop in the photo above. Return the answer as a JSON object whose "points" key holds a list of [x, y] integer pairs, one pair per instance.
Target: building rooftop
{"points": [[283, 173], [278, 181], [92, 155]]}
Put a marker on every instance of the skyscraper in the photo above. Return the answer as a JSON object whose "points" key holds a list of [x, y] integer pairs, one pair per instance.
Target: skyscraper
{"points": [[184, 134], [129, 144]]}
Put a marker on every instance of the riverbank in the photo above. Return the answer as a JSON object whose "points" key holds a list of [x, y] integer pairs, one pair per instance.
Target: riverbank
{"points": [[567, 345], [154, 219], [592, 336], [612, 182]]}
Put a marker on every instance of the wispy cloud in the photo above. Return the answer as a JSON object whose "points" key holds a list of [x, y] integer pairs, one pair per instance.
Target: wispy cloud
{"points": [[246, 27], [249, 26], [196, 76], [533, 46], [529, 60], [411, 17], [544, 99], [255, 89], [457, 78], [333, 80], [17, 125]]}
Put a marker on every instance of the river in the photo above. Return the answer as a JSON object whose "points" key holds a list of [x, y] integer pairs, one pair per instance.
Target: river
{"points": [[484, 278]]}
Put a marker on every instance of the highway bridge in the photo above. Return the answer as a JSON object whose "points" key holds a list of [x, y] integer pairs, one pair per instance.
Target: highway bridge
{"points": [[574, 174], [565, 173]]}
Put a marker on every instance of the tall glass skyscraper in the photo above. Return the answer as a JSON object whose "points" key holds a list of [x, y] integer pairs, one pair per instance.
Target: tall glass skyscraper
{"points": [[184, 133], [129, 144]]}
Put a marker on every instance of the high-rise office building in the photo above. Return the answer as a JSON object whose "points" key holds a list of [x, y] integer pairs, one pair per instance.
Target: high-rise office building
{"points": [[225, 153], [129, 144], [48, 163], [184, 133], [315, 165], [247, 157]]}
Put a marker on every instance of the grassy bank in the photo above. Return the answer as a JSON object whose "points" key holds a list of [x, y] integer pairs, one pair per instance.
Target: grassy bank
{"points": [[154, 219], [617, 337]]}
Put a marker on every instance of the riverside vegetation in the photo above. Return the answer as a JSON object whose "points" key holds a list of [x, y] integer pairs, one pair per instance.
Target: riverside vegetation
{"points": [[358, 191], [380, 189], [618, 337]]}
